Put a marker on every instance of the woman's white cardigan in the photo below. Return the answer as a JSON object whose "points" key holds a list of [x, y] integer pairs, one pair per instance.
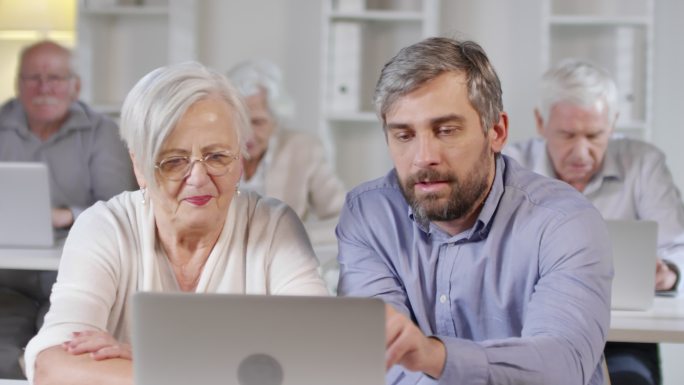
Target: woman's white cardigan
{"points": [[111, 253]]}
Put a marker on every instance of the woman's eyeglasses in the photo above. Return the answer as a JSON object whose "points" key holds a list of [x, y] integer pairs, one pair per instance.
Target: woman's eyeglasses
{"points": [[178, 167]]}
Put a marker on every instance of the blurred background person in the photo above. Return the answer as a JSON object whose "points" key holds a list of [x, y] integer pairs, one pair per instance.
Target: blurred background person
{"points": [[87, 162], [286, 164], [281, 163], [624, 178], [187, 229]]}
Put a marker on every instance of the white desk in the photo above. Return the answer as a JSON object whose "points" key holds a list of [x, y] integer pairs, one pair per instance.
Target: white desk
{"points": [[664, 322], [48, 258], [31, 259], [13, 382]]}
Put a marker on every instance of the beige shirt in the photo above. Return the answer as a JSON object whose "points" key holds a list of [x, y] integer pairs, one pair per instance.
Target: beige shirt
{"points": [[110, 254], [295, 170]]}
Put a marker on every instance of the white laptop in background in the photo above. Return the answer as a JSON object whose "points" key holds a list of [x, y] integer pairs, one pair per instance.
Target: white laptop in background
{"points": [[635, 246], [182, 338], [25, 209]]}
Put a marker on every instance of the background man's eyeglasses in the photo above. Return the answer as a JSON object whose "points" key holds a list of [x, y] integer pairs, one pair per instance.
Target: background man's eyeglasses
{"points": [[178, 167], [35, 81]]}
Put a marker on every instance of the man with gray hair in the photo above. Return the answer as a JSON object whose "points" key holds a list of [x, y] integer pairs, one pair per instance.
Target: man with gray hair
{"points": [[490, 272], [624, 179], [86, 159]]}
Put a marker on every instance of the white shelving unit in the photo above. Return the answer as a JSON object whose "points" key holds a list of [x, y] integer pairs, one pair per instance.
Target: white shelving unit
{"points": [[358, 38], [615, 34], [120, 41]]}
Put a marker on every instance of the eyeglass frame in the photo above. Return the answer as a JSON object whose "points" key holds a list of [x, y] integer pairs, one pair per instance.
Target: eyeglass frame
{"points": [[191, 163], [52, 81]]}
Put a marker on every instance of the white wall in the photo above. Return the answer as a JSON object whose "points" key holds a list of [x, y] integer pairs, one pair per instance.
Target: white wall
{"points": [[668, 102], [285, 32], [668, 128]]}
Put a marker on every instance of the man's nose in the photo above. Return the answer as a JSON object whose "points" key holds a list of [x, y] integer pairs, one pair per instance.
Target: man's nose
{"points": [[427, 151], [581, 148], [44, 85]]}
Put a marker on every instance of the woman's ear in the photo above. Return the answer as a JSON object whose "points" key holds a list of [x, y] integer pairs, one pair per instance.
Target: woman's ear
{"points": [[139, 175]]}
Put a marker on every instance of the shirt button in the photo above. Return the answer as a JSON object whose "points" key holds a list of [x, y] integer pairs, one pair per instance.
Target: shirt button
{"points": [[443, 298]]}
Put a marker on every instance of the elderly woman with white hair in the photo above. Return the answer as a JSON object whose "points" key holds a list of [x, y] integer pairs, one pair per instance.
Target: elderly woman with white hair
{"points": [[285, 164], [187, 229]]}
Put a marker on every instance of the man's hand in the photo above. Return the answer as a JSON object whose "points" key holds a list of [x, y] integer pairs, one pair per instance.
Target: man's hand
{"points": [[665, 277], [407, 346], [100, 345], [62, 217]]}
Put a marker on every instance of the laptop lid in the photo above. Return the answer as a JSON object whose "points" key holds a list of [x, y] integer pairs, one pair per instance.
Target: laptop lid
{"points": [[634, 260], [25, 213], [182, 338]]}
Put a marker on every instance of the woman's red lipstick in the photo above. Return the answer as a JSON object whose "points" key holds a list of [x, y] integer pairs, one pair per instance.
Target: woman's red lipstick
{"points": [[199, 200]]}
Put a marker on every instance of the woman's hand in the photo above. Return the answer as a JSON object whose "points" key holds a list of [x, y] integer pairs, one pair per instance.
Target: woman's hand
{"points": [[100, 345]]}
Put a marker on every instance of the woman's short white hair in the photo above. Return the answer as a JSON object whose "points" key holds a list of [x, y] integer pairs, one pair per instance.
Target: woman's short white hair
{"points": [[578, 82], [253, 76], [157, 102]]}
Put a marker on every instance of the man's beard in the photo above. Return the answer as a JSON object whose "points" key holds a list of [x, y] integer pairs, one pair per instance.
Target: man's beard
{"points": [[465, 194]]}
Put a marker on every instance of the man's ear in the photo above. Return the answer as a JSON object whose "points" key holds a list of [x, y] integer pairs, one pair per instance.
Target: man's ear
{"points": [[540, 122], [498, 133], [614, 123], [139, 175]]}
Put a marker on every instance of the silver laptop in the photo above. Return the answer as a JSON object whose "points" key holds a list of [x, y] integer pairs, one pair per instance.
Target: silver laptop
{"points": [[634, 259], [25, 213], [181, 338]]}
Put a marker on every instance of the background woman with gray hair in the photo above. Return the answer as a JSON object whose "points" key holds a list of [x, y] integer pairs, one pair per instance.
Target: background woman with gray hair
{"points": [[284, 164], [187, 229]]}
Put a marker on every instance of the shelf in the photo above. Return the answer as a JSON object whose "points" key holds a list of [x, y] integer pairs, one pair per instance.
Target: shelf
{"points": [[33, 35], [377, 16], [358, 37], [360, 117], [634, 129], [119, 43], [580, 21], [126, 10], [631, 125]]}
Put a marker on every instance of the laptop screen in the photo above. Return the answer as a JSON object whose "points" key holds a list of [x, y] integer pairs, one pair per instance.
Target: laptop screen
{"points": [[181, 338], [634, 261], [25, 213]]}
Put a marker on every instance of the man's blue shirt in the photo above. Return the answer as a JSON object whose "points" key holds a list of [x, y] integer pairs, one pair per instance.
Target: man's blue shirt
{"points": [[523, 296]]}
